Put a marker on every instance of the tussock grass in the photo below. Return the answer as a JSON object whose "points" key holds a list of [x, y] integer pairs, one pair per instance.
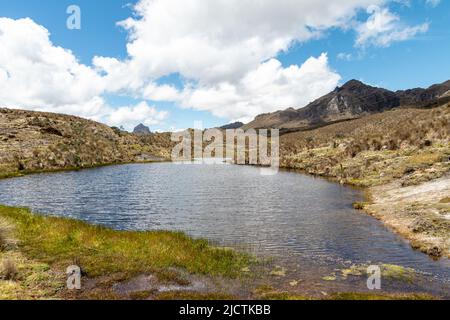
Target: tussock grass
{"points": [[101, 251], [6, 239], [8, 270], [408, 144]]}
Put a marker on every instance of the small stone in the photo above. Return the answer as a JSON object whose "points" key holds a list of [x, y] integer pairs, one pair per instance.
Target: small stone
{"points": [[278, 272], [329, 278]]}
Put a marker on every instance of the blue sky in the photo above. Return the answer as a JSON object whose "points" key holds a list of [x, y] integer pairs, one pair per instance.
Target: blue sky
{"points": [[418, 61]]}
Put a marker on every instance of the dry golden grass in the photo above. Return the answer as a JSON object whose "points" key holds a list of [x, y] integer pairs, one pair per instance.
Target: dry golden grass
{"points": [[406, 143]]}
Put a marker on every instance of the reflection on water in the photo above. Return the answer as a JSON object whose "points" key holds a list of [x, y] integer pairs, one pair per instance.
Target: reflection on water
{"points": [[295, 218]]}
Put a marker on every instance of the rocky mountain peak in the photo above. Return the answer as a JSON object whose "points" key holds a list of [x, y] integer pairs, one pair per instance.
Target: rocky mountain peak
{"points": [[142, 130]]}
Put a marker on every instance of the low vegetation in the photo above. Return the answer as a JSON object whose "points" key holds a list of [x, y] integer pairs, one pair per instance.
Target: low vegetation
{"points": [[37, 141], [52, 244], [408, 147], [408, 144]]}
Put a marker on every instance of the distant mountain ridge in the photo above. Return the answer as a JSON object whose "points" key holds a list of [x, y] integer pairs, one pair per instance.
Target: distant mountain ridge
{"points": [[235, 125], [353, 100]]}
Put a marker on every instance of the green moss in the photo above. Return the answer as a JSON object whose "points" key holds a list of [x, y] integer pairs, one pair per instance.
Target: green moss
{"points": [[388, 271], [354, 270], [397, 272], [330, 278]]}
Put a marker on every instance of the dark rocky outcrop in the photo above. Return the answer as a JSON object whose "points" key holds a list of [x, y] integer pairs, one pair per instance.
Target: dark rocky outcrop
{"points": [[235, 125], [353, 100], [142, 130], [420, 97]]}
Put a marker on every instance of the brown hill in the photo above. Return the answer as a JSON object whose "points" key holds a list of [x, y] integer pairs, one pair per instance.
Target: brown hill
{"points": [[31, 141]]}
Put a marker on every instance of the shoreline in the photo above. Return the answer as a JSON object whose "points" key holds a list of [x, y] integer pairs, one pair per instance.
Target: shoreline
{"points": [[123, 284], [24, 173], [413, 219], [378, 204]]}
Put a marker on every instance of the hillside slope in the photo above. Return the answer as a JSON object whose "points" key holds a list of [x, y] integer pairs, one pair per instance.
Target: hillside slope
{"points": [[31, 141], [353, 100], [402, 156]]}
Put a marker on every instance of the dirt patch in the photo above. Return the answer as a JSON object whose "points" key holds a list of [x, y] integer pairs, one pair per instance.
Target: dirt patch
{"points": [[417, 213]]}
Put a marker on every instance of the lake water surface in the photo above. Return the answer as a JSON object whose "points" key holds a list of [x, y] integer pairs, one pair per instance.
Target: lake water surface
{"points": [[298, 220]]}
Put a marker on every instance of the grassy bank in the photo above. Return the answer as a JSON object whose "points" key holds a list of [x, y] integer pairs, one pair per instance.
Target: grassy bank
{"points": [[39, 248], [36, 250]]}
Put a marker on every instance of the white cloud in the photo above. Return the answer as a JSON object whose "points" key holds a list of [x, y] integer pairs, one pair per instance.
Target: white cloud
{"points": [[160, 92], [37, 75], [225, 52], [383, 28], [345, 56], [214, 41], [433, 3], [131, 116], [268, 88]]}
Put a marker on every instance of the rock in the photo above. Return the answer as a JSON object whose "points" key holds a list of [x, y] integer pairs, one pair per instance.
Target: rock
{"points": [[353, 100], [142, 130], [434, 251], [278, 272], [329, 278], [235, 125], [420, 225], [293, 283]]}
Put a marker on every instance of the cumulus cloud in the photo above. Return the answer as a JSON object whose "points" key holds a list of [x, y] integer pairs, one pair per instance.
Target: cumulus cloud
{"points": [[35, 74], [268, 88], [224, 52], [345, 56], [383, 28], [433, 3], [215, 41], [130, 116]]}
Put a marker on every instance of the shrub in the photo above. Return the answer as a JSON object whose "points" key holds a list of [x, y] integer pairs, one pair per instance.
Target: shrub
{"points": [[9, 270], [6, 240]]}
